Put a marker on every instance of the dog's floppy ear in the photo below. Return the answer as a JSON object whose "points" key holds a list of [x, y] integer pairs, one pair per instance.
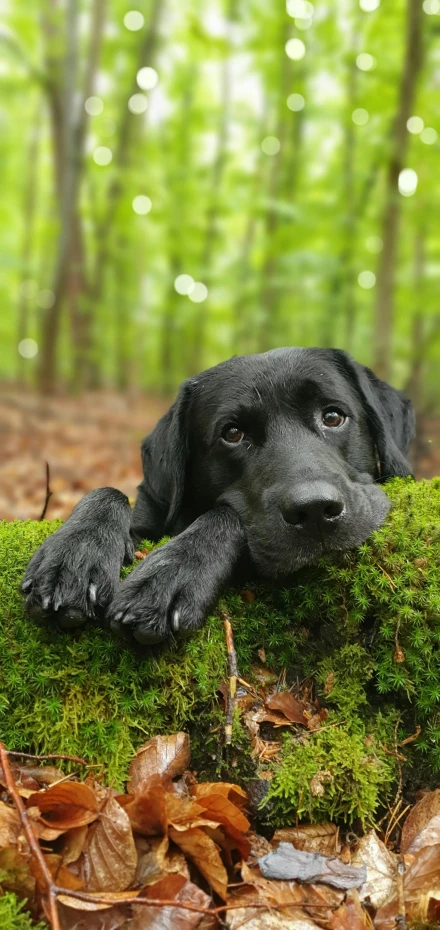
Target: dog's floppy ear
{"points": [[390, 416], [165, 455]]}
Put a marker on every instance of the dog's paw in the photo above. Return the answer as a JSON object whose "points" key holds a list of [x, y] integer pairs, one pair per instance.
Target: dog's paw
{"points": [[168, 593], [73, 576]]}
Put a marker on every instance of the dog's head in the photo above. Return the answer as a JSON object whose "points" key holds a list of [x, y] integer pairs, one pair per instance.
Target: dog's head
{"points": [[295, 440]]}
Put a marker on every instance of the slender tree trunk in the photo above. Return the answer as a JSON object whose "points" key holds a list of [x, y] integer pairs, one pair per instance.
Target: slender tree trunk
{"points": [[29, 215], [384, 317]]}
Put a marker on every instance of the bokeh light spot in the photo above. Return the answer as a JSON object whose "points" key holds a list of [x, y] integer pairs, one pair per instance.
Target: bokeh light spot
{"points": [[365, 61], [183, 283], [407, 182], [415, 125], [147, 78], [28, 348], [134, 20], [295, 49], [45, 298], [303, 24], [368, 6], [141, 205], [138, 103], [198, 292], [429, 136], [360, 116], [374, 244], [102, 155], [296, 102], [300, 8], [367, 280], [29, 288], [271, 145], [93, 106], [432, 7]]}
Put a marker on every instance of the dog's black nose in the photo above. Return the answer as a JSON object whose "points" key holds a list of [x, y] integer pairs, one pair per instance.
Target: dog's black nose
{"points": [[314, 504]]}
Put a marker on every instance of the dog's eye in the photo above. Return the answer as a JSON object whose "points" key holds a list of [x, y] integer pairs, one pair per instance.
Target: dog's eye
{"points": [[333, 418], [232, 434]]}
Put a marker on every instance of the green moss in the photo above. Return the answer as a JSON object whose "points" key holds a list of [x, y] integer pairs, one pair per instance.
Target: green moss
{"points": [[345, 623], [13, 915]]}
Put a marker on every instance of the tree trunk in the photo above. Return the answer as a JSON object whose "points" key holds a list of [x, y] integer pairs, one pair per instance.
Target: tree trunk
{"points": [[29, 215], [384, 317]]}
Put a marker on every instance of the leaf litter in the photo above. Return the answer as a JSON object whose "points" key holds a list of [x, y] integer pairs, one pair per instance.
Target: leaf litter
{"points": [[173, 854]]}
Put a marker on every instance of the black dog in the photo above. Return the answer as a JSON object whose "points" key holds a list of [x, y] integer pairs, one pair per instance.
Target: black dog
{"points": [[275, 455]]}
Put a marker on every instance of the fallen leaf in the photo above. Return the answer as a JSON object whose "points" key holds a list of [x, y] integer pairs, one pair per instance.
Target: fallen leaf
{"points": [[73, 844], [233, 792], [147, 811], [162, 755], [308, 903], [350, 915], [285, 702], [179, 889], [252, 918], [156, 858], [15, 874], [381, 867], [109, 857], [114, 917], [287, 863], [109, 897], [422, 826], [421, 890], [313, 838], [221, 809], [10, 826], [71, 804], [202, 850], [61, 875]]}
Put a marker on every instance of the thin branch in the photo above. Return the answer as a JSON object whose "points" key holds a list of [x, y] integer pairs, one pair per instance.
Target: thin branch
{"points": [[233, 675], [31, 838], [51, 755], [48, 493]]}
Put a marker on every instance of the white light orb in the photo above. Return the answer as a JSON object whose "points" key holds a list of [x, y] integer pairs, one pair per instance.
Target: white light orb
{"points": [[365, 61], [147, 78], [429, 136], [271, 145], [432, 7], [134, 20], [300, 8], [296, 102], [137, 104], [407, 182], [184, 283], [303, 24], [28, 348], [360, 116], [415, 125], [295, 49], [374, 244], [368, 6], [102, 155], [367, 280], [198, 292], [93, 106], [141, 205], [45, 298]]}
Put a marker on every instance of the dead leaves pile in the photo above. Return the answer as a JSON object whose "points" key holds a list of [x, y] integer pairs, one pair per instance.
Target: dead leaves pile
{"points": [[172, 854]]}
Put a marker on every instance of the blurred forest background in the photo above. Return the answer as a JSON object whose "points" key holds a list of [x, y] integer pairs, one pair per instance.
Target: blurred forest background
{"points": [[184, 180]]}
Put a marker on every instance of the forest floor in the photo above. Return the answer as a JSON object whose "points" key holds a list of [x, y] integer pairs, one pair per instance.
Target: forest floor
{"points": [[93, 441]]}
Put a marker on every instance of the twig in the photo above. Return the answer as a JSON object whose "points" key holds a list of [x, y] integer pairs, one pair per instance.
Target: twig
{"points": [[390, 580], [50, 755], [48, 493], [233, 675], [31, 838]]}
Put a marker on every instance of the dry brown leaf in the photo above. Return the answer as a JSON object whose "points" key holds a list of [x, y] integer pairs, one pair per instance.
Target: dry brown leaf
{"points": [[116, 917], [222, 810], [147, 812], [202, 850], [110, 897], [156, 859], [320, 838], [73, 844], [64, 806], [350, 915], [16, 874], [10, 826], [172, 887], [252, 918], [61, 875], [316, 902], [381, 870], [285, 703], [182, 814], [162, 755], [422, 826], [41, 831], [421, 890], [233, 792], [109, 857]]}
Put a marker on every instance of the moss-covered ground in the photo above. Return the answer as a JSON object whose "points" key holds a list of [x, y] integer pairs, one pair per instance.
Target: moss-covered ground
{"points": [[366, 629]]}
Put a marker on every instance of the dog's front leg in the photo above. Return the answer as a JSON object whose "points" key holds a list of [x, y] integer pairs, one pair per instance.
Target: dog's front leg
{"points": [[175, 586]]}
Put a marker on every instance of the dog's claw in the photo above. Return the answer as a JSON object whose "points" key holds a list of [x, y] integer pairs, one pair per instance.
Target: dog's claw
{"points": [[46, 601], [175, 621], [26, 585], [92, 593]]}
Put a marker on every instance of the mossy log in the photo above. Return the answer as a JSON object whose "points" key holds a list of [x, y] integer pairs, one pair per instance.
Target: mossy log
{"points": [[364, 628]]}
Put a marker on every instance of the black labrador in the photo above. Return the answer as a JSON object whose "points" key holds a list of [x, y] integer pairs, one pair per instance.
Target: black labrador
{"points": [[275, 456]]}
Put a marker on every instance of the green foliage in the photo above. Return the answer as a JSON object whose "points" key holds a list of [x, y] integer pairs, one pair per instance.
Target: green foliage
{"points": [[14, 916], [365, 627]]}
